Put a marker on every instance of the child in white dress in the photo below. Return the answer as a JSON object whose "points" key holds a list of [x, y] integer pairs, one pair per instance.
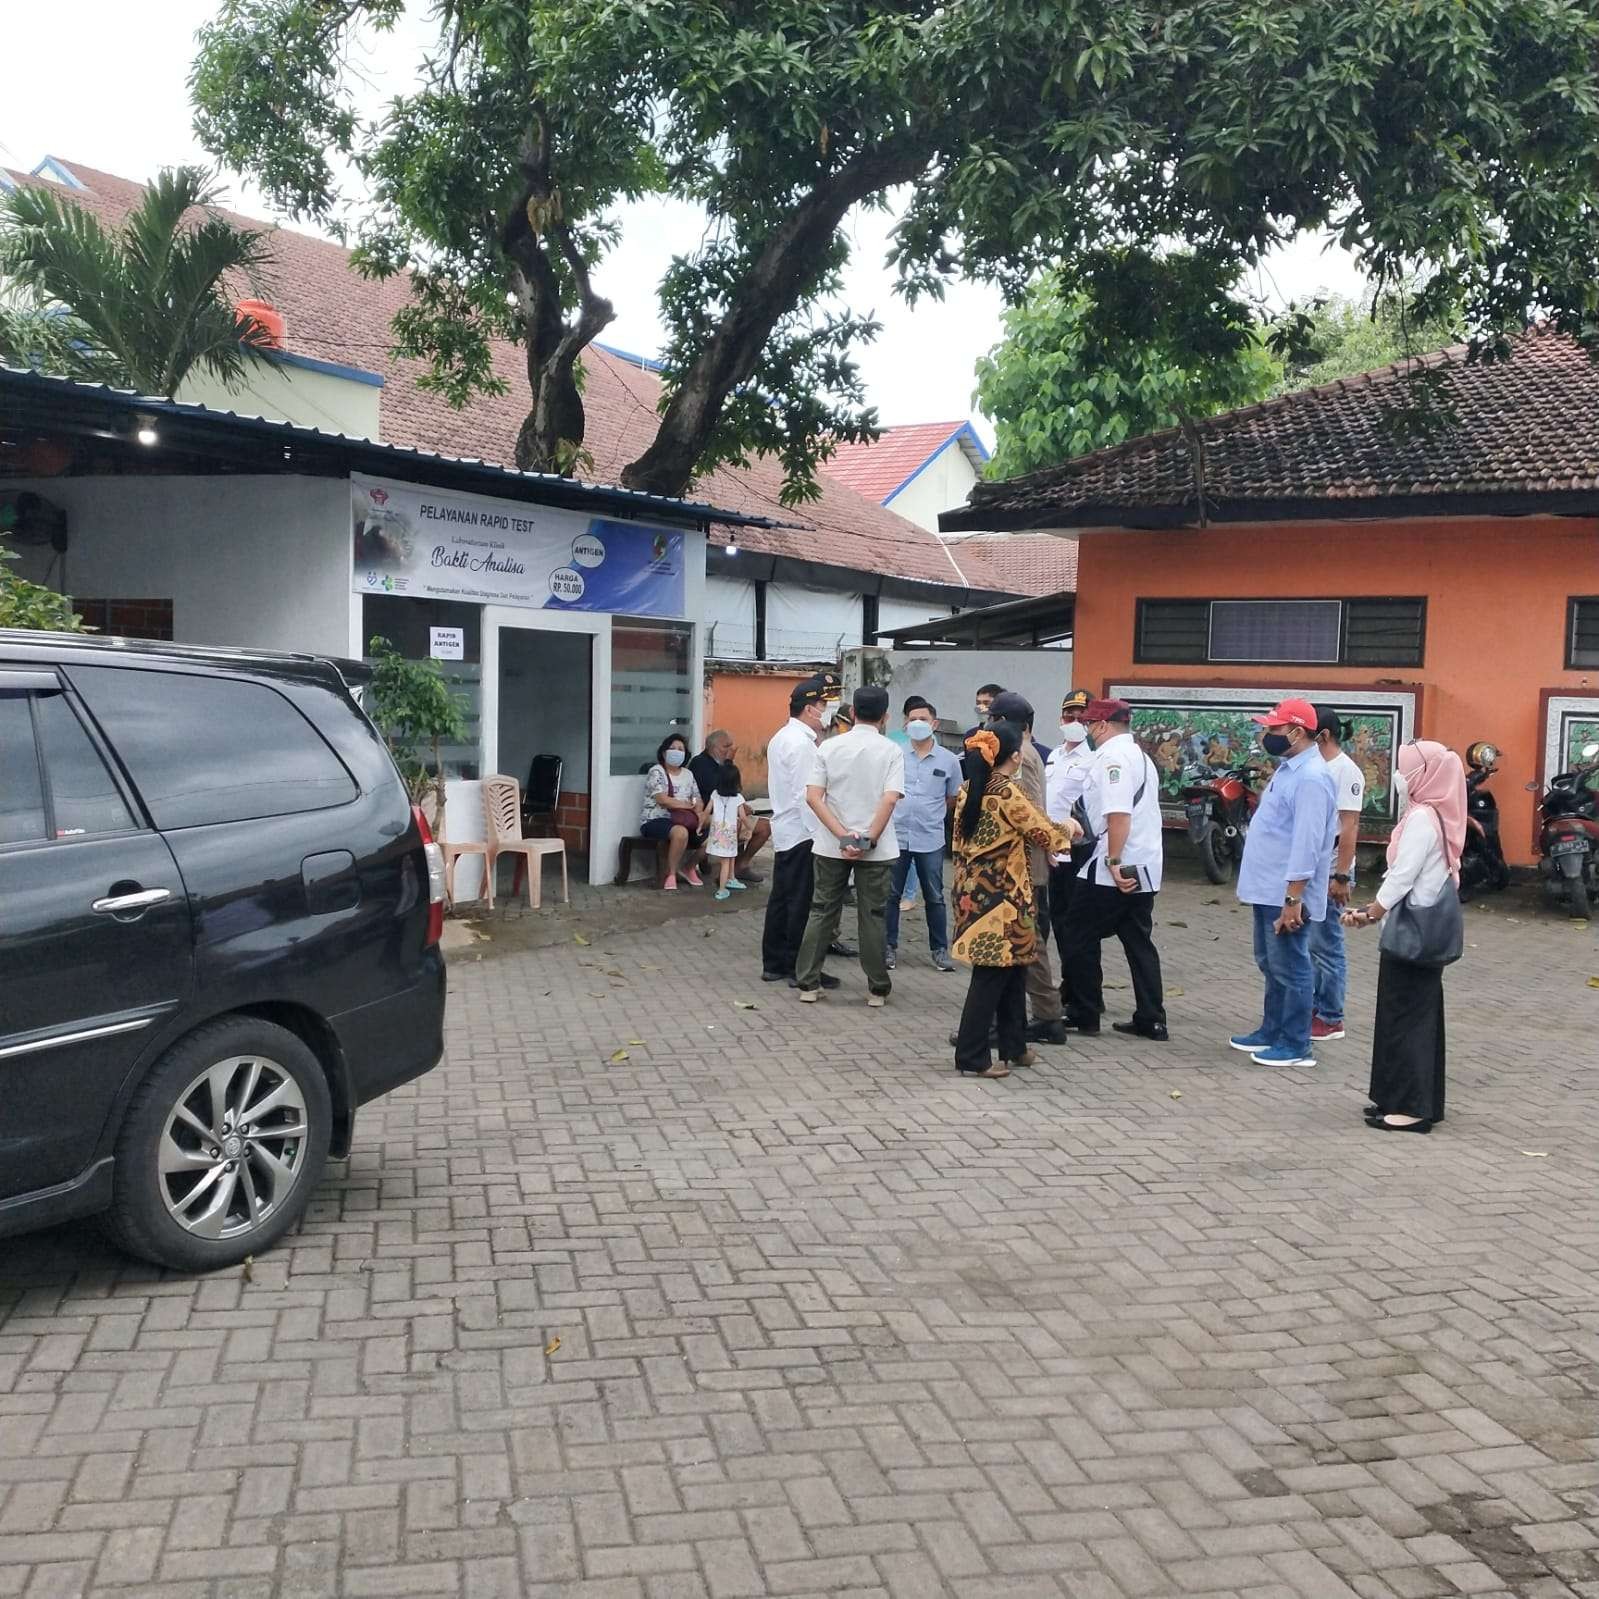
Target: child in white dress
{"points": [[724, 812]]}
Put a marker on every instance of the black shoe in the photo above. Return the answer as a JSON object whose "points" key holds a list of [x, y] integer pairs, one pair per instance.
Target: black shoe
{"points": [[1156, 1032], [777, 977], [1087, 1029], [1046, 1033], [839, 947], [889, 959], [1398, 1127], [826, 980]]}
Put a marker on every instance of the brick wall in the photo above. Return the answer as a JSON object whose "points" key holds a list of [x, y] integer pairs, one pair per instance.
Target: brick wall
{"points": [[572, 823], [150, 619]]}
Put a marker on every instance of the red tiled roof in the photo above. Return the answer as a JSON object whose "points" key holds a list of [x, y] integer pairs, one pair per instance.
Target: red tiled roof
{"points": [[876, 470], [1029, 564], [1505, 434], [334, 314]]}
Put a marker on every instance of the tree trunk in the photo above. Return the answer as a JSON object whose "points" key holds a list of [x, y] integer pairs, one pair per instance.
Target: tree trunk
{"points": [[551, 436], [769, 291]]}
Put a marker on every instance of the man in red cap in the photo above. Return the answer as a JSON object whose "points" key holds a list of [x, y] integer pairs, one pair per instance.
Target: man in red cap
{"points": [[1116, 887], [1283, 879]]}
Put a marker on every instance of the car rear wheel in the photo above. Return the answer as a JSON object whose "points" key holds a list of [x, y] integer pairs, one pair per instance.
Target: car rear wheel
{"points": [[221, 1148]]}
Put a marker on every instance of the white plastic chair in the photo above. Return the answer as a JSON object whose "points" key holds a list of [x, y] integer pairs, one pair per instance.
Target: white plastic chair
{"points": [[502, 828]]}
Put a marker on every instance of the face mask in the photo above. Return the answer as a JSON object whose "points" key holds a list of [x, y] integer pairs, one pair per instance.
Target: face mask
{"points": [[829, 711], [919, 730], [1401, 793], [1274, 744], [1073, 732], [675, 757]]}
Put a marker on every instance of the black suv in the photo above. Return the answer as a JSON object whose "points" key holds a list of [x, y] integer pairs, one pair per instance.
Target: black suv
{"points": [[219, 934]]}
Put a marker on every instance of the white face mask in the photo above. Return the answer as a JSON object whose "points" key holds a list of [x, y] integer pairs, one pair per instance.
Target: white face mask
{"points": [[1401, 794], [919, 730], [675, 757], [1073, 732], [829, 711]]}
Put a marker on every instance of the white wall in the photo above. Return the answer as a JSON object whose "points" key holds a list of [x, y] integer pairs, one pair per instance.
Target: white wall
{"points": [[256, 562], [291, 393], [810, 624], [730, 618], [892, 613], [945, 482], [949, 678]]}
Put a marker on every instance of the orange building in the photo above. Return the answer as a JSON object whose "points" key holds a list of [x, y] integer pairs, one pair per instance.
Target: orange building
{"points": [[1436, 581]]}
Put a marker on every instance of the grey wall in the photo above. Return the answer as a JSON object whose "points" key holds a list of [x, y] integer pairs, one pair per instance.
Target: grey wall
{"points": [[950, 677]]}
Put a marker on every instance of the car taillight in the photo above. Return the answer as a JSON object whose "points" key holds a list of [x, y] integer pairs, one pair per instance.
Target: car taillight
{"points": [[435, 858]]}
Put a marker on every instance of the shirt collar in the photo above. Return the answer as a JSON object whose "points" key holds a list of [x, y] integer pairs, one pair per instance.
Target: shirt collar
{"points": [[1300, 758], [804, 727]]}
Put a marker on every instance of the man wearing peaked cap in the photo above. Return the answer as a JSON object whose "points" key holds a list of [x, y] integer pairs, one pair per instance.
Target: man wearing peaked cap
{"points": [[788, 765], [1116, 887]]}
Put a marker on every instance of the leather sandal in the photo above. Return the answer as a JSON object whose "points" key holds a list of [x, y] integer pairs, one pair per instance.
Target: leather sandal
{"points": [[995, 1069]]}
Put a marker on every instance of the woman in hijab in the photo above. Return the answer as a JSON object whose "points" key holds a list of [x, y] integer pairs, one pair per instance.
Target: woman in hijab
{"points": [[1407, 1056], [996, 927]]}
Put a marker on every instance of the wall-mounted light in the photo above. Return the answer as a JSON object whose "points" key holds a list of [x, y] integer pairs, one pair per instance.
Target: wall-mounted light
{"points": [[732, 547], [147, 435]]}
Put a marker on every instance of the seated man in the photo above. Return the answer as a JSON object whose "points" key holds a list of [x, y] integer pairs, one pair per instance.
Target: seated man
{"points": [[752, 835]]}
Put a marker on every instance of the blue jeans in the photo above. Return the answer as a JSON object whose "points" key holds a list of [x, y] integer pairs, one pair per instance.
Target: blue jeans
{"points": [[1332, 967], [1284, 961], [929, 864]]}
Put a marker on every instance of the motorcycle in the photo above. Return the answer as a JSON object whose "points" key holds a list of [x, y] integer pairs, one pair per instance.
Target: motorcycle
{"points": [[1569, 839], [1482, 860], [1219, 806]]}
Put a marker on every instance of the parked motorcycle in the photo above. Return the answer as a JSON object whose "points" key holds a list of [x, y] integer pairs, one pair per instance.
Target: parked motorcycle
{"points": [[1219, 806], [1482, 860], [1569, 840]]}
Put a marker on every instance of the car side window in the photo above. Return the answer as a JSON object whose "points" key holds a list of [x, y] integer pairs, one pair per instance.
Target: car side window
{"points": [[83, 795], [204, 749], [22, 817]]}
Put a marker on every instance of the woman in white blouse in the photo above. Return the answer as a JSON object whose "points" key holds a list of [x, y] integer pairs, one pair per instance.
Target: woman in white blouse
{"points": [[674, 810], [1407, 1055]]}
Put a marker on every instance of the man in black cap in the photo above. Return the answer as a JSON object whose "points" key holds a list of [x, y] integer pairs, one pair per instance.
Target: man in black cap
{"points": [[1043, 994]]}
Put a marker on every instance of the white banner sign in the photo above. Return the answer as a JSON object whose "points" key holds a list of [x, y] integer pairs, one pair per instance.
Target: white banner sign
{"points": [[446, 644], [436, 544]]}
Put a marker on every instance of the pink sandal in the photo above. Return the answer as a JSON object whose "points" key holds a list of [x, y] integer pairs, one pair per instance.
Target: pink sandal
{"points": [[694, 878], [670, 885]]}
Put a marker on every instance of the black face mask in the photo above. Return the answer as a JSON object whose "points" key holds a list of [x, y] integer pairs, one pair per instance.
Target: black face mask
{"points": [[1274, 744]]}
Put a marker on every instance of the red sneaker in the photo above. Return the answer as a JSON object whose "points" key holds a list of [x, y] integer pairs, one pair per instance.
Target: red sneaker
{"points": [[1321, 1032]]}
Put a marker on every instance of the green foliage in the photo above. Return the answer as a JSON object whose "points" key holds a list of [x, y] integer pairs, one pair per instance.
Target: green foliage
{"points": [[32, 605], [1339, 338], [1080, 368], [411, 705], [1457, 137], [140, 306]]}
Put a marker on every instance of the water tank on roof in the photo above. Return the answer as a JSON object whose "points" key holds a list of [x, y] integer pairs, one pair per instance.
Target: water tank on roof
{"points": [[267, 317]]}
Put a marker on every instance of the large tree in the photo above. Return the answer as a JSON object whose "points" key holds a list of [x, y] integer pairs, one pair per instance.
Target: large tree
{"points": [[1010, 135], [1085, 366], [140, 306]]}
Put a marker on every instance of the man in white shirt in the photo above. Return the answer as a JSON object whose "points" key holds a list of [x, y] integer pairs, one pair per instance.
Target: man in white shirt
{"points": [[856, 780], [788, 769], [1065, 780], [1115, 891], [1327, 936]]}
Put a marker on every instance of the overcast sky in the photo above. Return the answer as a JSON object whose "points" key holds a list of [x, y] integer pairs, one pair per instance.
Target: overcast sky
{"points": [[104, 82]]}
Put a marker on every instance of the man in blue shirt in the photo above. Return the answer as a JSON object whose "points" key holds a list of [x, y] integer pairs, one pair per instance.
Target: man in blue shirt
{"points": [[1283, 879], [932, 781]]}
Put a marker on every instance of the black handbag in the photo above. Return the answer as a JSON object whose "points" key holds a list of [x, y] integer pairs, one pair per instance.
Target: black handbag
{"points": [[1425, 935]]}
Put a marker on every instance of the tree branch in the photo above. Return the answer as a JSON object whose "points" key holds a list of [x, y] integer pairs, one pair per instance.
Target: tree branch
{"points": [[769, 290]]}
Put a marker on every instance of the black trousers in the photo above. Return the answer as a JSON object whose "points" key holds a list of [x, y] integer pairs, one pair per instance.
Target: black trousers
{"points": [[788, 906], [1062, 881], [1407, 1047], [997, 998], [1099, 912]]}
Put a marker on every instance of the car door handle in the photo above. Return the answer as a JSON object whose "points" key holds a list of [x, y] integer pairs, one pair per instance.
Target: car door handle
{"points": [[121, 904]]}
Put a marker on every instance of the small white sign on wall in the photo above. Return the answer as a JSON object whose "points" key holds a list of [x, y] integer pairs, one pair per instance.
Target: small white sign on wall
{"points": [[446, 644]]}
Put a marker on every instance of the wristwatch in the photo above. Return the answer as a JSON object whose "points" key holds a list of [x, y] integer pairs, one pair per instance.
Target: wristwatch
{"points": [[1341, 877], [1289, 901], [1113, 860]]}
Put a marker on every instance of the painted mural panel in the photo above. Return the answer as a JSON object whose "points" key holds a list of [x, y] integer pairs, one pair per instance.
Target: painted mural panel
{"points": [[1183, 726]]}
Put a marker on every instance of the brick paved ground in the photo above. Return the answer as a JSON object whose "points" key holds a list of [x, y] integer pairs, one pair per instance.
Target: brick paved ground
{"points": [[833, 1321]]}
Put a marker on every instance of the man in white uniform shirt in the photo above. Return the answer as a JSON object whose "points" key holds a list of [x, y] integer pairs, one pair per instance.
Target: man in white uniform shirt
{"points": [[1065, 780], [1115, 891], [788, 769], [1327, 936], [856, 780]]}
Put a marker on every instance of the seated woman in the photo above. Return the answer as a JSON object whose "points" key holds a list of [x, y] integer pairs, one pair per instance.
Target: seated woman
{"points": [[674, 809]]}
